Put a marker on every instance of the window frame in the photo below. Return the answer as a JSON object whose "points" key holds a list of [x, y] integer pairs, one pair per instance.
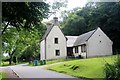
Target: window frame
{"points": [[57, 52], [76, 49], [83, 48], [56, 40]]}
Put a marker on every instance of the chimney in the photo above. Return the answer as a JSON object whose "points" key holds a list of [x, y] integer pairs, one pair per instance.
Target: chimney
{"points": [[55, 21]]}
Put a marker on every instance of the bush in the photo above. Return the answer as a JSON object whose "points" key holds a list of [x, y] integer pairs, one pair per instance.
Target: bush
{"points": [[113, 70]]}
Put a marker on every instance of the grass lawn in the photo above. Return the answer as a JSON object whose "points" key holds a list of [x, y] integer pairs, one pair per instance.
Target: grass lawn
{"points": [[86, 68], [2, 75], [53, 61], [7, 63], [59, 60]]}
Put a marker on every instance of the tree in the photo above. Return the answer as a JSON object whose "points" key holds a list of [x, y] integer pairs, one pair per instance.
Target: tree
{"points": [[58, 4], [22, 41], [23, 14], [11, 43], [74, 25], [31, 53]]}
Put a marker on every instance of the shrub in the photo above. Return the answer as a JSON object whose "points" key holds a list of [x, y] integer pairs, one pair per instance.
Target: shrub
{"points": [[113, 70]]}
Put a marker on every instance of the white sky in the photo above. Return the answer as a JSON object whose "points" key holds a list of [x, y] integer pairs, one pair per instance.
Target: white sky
{"points": [[70, 5], [76, 3]]}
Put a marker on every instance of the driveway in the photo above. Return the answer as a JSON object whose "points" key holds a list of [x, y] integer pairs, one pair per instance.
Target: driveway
{"points": [[24, 71]]}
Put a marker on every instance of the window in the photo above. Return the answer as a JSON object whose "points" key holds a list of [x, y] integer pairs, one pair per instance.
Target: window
{"points": [[57, 52], [56, 40], [76, 49], [83, 48]]}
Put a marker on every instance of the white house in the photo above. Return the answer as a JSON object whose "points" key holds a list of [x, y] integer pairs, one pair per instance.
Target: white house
{"points": [[93, 43], [55, 45]]}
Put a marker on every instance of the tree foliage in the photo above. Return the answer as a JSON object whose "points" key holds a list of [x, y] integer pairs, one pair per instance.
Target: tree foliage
{"points": [[76, 26], [22, 17], [24, 14], [58, 4], [15, 43]]}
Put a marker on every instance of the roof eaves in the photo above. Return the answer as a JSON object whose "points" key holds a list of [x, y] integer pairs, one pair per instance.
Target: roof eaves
{"points": [[91, 35], [79, 44], [47, 33]]}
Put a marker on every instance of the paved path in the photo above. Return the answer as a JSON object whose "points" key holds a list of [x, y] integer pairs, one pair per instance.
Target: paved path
{"points": [[10, 74], [24, 71]]}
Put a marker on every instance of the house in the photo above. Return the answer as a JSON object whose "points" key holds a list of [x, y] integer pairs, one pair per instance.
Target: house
{"points": [[93, 43], [55, 45]]}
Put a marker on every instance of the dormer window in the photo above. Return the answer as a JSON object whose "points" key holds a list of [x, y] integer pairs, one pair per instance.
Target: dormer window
{"points": [[56, 40]]}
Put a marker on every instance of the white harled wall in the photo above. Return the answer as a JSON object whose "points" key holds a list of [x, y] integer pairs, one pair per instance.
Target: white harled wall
{"points": [[97, 48], [51, 46], [42, 50], [79, 51]]}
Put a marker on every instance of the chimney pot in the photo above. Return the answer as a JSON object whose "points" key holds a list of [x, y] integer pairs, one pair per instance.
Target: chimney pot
{"points": [[55, 19]]}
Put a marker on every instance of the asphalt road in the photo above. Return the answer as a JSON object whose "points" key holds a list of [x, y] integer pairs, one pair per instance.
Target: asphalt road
{"points": [[24, 71], [10, 74]]}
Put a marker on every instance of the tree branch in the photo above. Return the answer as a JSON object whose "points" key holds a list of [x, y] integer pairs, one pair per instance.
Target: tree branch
{"points": [[13, 51], [5, 27]]}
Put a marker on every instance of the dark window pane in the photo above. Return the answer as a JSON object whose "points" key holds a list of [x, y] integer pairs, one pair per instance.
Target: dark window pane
{"points": [[57, 52], [56, 40]]}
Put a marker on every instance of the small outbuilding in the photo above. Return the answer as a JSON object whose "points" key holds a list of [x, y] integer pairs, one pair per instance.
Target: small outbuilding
{"points": [[93, 43]]}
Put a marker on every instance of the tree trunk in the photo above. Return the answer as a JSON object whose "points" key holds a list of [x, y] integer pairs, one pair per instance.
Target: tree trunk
{"points": [[10, 60], [5, 27], [11, 55]]}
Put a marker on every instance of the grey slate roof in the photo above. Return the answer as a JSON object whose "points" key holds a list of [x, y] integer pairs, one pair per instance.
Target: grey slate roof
{"points": [[83, 38], [71, 40], [47, 31]]}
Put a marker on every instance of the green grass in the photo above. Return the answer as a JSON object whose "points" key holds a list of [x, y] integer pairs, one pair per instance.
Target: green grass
{"points": [[2, 75], [48, 62], [86, 68], [7, 63], [53, 61], [59, 60]]}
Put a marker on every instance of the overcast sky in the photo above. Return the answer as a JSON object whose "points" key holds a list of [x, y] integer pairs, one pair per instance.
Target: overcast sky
{"points": [[70, 5], [76, 3]]}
